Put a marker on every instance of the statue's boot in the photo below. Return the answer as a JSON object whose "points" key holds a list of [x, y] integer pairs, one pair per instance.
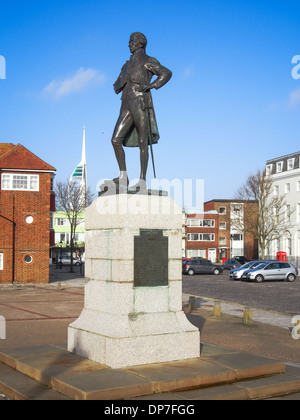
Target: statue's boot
{"points": [[141, 185], [121, 183]]}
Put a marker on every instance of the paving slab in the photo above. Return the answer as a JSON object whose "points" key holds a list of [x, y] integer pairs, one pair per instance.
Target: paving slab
{"points": [[81, 379]]}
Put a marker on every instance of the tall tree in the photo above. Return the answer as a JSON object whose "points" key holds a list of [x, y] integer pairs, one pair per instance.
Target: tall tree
{"points": [[72, 200], [271, 220]]}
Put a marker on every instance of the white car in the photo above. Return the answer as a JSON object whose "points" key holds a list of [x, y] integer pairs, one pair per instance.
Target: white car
{"points": [[236, 273], [272, 271], [67, 261]]}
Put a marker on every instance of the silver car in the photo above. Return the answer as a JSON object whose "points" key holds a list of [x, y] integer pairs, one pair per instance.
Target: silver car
{"points": [[236, 273], [272, 271]]}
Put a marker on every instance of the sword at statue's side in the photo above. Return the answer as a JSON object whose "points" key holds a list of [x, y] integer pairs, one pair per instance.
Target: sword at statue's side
{"points": [[150, 135]]}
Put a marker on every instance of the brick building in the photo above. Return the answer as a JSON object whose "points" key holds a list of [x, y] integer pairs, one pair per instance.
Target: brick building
{"points": [[213, 234], [231, 238], [201, 237], [26, 205]]}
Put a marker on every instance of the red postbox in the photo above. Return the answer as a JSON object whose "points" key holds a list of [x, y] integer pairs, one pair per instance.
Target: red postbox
{"points": [[281, 256]]}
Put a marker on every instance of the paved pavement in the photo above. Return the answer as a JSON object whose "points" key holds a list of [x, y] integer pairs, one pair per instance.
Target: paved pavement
{"points": [[41, 314]]}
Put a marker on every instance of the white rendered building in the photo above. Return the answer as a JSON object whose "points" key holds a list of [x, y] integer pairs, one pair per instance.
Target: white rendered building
{"points": [[285, 172]]}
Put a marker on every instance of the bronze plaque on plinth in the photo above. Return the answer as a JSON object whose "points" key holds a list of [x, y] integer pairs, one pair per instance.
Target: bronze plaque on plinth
{"points": [[150, 258]]}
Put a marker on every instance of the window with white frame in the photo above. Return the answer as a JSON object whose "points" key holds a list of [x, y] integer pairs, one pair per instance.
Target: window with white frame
{"points": [[298, 213], [269, 169], [222, 240], [222, 210], [237, 237], [201, 237], [62, 221], [298, 185], [288, 244], [276, 189], [222, 225], [279, 166], [1, 261], [287, 188], [20, 182], [196, 253], [201, 222], [290, 164]]}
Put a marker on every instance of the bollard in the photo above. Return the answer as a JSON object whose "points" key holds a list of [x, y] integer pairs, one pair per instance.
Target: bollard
{"points": [[192, 303], [247, 316], [59, 285], [217, 309]]}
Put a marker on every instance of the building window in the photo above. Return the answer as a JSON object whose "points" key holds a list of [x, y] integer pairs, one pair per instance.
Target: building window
{"points": [[276, 189], [289, 246], [201, 237], [237, 237], [1, 261], [222, 225], [290, 164], [298, 185], [288, 213], [61, 221], [29, 220], [279, 166], [196, 253], [287, 188], [222, 240], [222, 210], [28, 259], [52, 183], [198, 222], [269, 169], [20, 182]]}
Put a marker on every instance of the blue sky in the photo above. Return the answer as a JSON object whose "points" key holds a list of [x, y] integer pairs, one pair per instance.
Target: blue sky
{"points": [[231, 104]]}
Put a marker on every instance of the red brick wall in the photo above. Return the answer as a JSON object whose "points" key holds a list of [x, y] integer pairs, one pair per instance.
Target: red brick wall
{"points": [[30, 239], [202, 244]]}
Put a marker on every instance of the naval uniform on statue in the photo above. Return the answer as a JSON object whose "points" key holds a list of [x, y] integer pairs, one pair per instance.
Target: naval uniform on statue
{"points": [[136, 125]]}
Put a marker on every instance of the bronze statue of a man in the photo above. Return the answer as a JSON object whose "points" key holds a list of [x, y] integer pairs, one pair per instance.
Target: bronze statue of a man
{"points": [[136, 125]]}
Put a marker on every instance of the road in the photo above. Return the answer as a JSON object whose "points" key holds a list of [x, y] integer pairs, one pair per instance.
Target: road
{"points": [[279, 296]]}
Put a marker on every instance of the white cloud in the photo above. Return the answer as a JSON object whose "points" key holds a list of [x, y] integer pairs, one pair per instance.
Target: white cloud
{"points": [[294, 99], [80, 81]]}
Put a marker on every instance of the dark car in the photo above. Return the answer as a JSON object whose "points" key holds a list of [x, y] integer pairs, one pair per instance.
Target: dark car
{"points": [[241, 259], [201, 266], [231, 263]]}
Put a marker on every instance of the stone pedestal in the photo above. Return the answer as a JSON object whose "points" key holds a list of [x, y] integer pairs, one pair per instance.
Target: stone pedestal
{"points": [[133, 310]]}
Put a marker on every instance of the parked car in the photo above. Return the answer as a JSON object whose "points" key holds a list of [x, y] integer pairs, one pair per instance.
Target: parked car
{"points": [[231, 263], [201, 266], [184, 260], [272, 271], [236, 273], [241, 259], [67, 261]]}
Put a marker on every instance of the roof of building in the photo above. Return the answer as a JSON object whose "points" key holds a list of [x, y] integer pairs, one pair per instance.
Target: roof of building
{"points": [[18, 157], [229, 200], [284, 159]]}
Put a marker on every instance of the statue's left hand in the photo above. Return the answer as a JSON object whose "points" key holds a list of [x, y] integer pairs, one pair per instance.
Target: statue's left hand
{"points": [[144, 88]]}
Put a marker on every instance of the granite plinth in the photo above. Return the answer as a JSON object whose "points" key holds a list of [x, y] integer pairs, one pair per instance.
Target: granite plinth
{"points": [[122, 325]]}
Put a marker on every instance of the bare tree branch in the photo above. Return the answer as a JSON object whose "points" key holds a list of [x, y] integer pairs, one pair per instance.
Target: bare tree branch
{"points": [[72, 200], [270, 221]]}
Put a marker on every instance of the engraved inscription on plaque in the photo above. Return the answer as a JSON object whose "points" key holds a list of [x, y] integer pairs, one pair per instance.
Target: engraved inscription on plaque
{"points": [[150, 258]]}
